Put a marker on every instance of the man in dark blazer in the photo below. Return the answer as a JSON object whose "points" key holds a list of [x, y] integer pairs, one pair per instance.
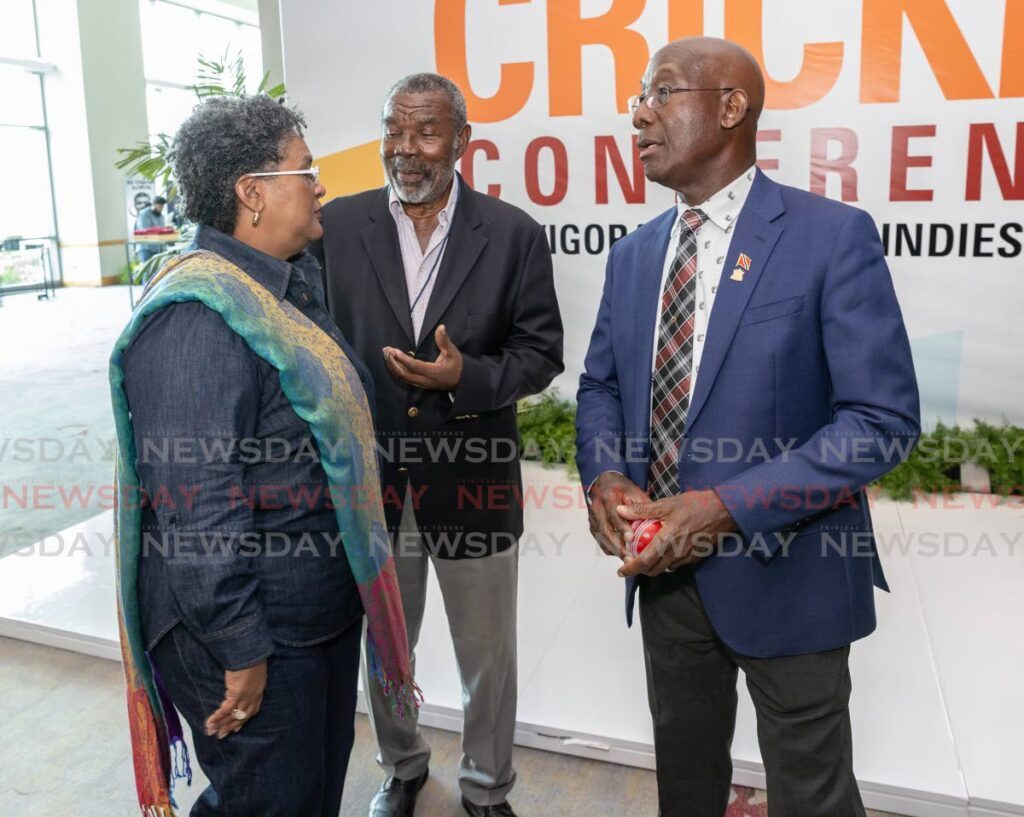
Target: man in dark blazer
{"points": [[749, 373], [448, 296]]}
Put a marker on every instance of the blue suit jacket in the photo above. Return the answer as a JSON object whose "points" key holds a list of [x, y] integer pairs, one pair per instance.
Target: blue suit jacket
{"points": [[806, 393]]}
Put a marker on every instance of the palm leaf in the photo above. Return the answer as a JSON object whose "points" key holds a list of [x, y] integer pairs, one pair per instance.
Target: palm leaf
{"points": [[223, 76], [274, 93]]}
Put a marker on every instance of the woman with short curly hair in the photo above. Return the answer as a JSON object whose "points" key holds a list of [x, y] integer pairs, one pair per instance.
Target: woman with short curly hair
{"points": [[251, 538]]}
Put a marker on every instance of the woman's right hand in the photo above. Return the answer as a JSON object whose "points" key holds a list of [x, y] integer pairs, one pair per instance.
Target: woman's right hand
{"points": [[243, 692]]}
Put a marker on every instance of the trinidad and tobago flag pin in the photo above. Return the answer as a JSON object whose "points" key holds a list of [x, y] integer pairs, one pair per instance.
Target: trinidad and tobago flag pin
{"points": [[742, 266]]}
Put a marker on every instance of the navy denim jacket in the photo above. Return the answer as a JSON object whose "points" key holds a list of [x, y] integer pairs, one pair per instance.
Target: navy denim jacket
{"points": [[240, 542]]}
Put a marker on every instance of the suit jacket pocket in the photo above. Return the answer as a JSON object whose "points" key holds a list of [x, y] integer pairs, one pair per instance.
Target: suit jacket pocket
{"points": [[773, 310], [479, 319], [484, 332]]}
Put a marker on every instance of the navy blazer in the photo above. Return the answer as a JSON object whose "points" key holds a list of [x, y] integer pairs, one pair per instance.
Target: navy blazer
{"points": [[806, 394]]}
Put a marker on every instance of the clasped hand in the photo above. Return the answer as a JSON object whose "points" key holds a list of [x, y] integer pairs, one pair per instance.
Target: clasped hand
{"points": [[692, 523]]}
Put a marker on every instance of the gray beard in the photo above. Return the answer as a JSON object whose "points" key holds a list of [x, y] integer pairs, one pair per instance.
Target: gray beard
{"points": [[428, 191]]}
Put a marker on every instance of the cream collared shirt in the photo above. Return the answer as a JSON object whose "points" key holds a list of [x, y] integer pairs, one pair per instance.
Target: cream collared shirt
{"points": [[713, 239], [422, 268]]}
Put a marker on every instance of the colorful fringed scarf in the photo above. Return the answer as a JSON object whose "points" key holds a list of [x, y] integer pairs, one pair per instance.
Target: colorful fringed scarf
{"points": [[324, 390]]}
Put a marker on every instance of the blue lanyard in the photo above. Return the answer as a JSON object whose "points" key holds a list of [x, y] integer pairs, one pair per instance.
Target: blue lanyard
{"points": [[433, 269]]}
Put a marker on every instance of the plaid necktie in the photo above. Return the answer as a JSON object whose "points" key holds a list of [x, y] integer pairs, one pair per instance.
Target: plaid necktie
{"points": [[670, 395]]}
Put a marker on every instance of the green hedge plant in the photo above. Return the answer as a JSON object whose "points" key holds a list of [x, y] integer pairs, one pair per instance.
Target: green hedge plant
{"points": [[547, 431]]}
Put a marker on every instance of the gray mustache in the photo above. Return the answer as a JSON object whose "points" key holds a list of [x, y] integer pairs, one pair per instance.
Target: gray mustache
{"points": [[407, 167]]}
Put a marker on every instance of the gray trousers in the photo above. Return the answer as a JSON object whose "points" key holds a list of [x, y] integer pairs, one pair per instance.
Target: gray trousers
{"points": [[802, 705], [480, 602]]}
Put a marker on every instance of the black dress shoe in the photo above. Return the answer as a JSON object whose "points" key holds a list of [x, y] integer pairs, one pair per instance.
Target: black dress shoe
{"points": [[500, 810], [397, 798]]}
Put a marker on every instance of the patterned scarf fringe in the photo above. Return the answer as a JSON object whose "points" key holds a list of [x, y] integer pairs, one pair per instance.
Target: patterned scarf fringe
{"points": [[181, 764], [182, 769], [403, 696]]}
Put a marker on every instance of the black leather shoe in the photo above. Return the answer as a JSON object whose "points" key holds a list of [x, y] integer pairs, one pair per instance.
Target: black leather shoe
{"points": [[500, 810], [397, 798]]}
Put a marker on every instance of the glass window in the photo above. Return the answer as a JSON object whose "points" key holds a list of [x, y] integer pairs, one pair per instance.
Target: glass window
{"points": [[169, 34], [23, 97], [173, 40], [252, 53], [168, 107], [29, 212], [215, 37], [18, 30]]}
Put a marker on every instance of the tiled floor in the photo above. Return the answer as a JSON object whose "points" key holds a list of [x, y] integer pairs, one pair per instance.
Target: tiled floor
{"points": [[64, 751], [55, 423]]}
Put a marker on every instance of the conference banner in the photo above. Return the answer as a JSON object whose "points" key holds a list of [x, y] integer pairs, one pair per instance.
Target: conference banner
{"points": [[910, 109]]}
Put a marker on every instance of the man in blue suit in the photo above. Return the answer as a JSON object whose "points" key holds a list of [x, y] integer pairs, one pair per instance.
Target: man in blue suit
{"points": [[749, 373]]}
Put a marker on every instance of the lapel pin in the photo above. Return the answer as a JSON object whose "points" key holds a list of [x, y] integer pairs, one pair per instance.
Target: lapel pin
{"points": [[743, 261], [737, 275]]}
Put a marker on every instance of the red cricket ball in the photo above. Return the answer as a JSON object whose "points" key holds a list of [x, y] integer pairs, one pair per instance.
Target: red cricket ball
{"points": [[644, 531]]}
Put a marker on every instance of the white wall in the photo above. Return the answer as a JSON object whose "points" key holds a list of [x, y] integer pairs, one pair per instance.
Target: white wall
{"points": [[115, 96], [95, 103], [270, 36], [69, 141]]}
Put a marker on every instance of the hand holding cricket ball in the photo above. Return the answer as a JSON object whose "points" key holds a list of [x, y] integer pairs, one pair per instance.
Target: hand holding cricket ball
{"points": [[688, 529]]}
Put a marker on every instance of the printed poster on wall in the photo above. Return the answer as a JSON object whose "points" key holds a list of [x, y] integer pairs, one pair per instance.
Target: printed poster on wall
{"points": [[910, 109]]}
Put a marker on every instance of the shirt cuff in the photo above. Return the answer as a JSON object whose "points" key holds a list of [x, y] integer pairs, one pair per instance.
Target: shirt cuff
{"points": [[586, 493], [240, 646]]}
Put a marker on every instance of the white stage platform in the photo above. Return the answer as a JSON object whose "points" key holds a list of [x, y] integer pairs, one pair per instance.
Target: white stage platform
{"points": [[938, 719]]}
